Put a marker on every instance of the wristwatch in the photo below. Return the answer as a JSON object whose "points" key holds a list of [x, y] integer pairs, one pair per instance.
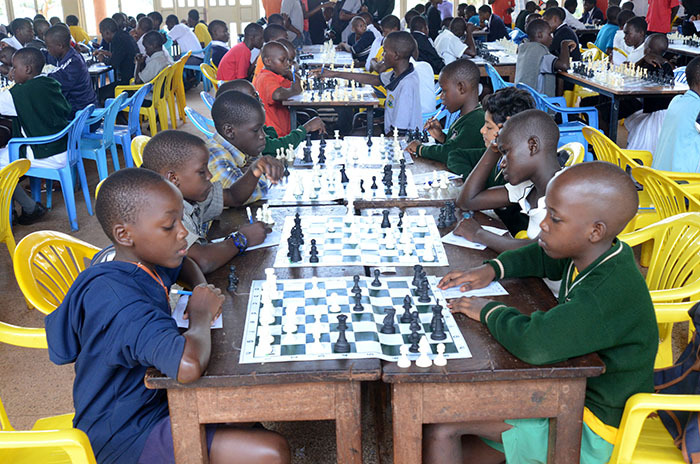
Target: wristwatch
{"points": [[240, 241]]}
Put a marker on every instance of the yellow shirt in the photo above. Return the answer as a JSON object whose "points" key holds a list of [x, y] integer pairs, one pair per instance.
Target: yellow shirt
{"points": [[202, 33], [79, 34]]}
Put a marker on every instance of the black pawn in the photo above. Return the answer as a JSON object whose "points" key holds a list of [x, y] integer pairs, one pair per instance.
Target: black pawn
{"points": [[321, 157], [400, 224], [406, 316], [388, 323], [385, 219], [341, 345], [402, 188], [313, 252], [369, 139], [423, 295], [376, 282], [286, 169], [356, 284], [413, 338], [439, 330], [358, 304], [232, 279], [323, 140], [308, 139], [415, 323], [374, 183], [362, 186], [343, 177]]}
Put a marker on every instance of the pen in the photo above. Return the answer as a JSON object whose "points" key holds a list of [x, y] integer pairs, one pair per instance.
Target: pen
{"points": [[294, 76], [250, 216], [180, 292]]}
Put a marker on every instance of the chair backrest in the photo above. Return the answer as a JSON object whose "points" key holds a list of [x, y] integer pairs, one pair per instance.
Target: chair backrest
{"points": [[179, 66], [207, 98], [591, 52], [668, 197], [540, 100], [209, 72], [206, 53], [606, 150], [137, 145], [9, 176], [75, 133], [497, 81], [134, 103], [576, 153], [110, 117], [159, 84], [46, 264], [205, 125], [679, 75]]}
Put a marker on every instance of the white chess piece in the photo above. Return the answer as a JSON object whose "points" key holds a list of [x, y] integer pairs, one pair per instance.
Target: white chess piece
{"points": [[315, 292], [290, 325], [424, 348], [440, 358], [316, 347], [267, 313], [421, 221], [403, 362], [258, 214], [299, 188], [428, 254], [264, 335], [389, 241], [350, 214], [271, 278], [334, 307], [267, 215]]}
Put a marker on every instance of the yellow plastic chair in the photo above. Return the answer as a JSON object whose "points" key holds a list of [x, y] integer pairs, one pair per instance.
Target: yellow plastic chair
{"points": [[179, 85], [673, 275], [158, 110], [171, 89], [46, 264], [644, 440], [209, 72], [572, 97], [138, 143], [9, 176], [576, 153], [668, 197]]}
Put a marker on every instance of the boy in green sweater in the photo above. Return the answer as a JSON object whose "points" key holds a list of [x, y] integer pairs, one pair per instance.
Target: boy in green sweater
{"points": [[272, 141], [459, 81], [603, 307]]}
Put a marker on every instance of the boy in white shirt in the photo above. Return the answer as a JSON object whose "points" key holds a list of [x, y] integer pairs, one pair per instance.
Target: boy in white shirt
{"points": [[449, 43]]}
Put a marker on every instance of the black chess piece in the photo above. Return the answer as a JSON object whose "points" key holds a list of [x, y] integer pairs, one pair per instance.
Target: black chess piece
{"points": [[313, 252], [414, 337], [308, 139], [400, 223], [369, 139], [437, 314], [423, 295], [388, 323], [406, 316], [441, 224], [374, 183], [417, 270], [294, 254], [321, 157], [232, 279], [358, 303], [438, 330], [356, 284], [376, 282], [402, 188], [362, 186], [342, 345], [323, 140], [385, 219], [286, 169], [415, 321], [343, 176], [307, 155]]}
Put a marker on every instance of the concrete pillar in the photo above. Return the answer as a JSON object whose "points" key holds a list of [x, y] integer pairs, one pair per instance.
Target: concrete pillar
{"points": [[100, 10]]}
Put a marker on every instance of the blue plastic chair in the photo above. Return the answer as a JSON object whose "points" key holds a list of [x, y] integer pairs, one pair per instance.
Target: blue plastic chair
{"points": [[64, 175], [206, 56], [569, 131], [207, 98], [205, 125], [679, 75], [497, 81], [123, 134], [94, 145]]}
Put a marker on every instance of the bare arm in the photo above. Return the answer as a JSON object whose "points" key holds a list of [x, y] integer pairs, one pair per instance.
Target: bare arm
{"points": [[283, 93], [474, 194], [471, 46], [500, 243], [345, 16], [212, 256], [562, 63], [363, 78], [190, 274]]}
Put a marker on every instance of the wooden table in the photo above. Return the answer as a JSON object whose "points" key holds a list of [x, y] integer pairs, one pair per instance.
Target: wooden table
{"points": [[492, 384], [617, 94], [289, 391]]}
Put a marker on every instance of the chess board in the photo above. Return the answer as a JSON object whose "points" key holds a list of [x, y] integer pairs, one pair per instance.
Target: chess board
{"points": [[353, 151], [620, 80], [323, 185], [363, 333], [363, 94], [359, 241]]}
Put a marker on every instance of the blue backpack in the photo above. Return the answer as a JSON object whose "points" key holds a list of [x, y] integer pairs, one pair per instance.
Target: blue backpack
{"points": [[683, 378]]}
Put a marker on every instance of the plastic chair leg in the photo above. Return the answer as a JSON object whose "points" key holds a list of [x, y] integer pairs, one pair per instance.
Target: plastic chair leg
{"points": [[126, 150], [152, 122], [84, 186], [163, 115], [35, 184], [115, 156], [69, 197], [172, 110], [101, 160]]}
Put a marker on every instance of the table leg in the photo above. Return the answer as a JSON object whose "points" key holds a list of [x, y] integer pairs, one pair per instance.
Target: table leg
{"points": [[293, 117], [348, 424], [370, 121], [614, 112], [190, 448], [407, 422], [565, 428]]}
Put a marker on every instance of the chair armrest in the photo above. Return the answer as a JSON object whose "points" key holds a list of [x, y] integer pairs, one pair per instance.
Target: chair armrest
{"points": [[73, 441], [642, 156], [671, 295], [23, 336], [123, 88], [62, 421], [15, 143], [589, 111], [667, 313]]}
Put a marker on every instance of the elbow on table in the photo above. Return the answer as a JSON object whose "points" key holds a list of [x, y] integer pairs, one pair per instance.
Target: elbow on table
{"points": [[189, 371]]}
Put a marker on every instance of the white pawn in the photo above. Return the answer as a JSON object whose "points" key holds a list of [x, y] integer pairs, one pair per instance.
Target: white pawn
{"points": [[440, 358], [334, 307], [423, 348], [264, 335], [290, 325], [428, 254], [299, 188], [267, 215], [403, 362], [315, 292], [267, 314], [421, 221]]}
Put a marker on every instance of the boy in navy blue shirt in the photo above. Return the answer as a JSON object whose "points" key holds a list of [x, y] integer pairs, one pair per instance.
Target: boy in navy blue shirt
{"points": [[115, 322]]}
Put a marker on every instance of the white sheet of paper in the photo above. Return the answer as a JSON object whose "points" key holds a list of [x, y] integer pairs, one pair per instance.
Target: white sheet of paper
{"points": [[424, 177], [453, 239], [179, 311], [493, 289]]}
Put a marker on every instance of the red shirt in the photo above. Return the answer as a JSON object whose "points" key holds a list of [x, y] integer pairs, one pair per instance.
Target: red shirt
{"points": [[276, 115], [659, 15], [306, 8], [603, 6], [235, 63], [500, 7]]}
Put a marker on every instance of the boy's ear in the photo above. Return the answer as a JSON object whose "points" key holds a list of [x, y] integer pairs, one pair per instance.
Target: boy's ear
{"points": [[173, 177], [121, 235], [229, 131], [533, 144], [598, 232], [462, 87]]}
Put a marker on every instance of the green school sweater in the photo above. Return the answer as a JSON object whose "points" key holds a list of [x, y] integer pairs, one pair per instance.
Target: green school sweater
{"points": [[41, 110], [463, 133], [606, 309], [272, 142]]}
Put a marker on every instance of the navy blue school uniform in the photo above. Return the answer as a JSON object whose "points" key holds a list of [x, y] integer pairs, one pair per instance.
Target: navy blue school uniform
{"points": [[361, 48], [76, 85], [113, 324], [497, 29], [589, 16]]}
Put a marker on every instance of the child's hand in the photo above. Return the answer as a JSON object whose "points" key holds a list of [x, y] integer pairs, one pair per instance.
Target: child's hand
{"points": [[255, 233], [140, 58], [434, 127], [570, 44], [296, 84], [268, 165], [654, 60], [469, 306], [478, 277], [471, 27], [205, 298], [468, 228], [412, 147], [315, 124]]}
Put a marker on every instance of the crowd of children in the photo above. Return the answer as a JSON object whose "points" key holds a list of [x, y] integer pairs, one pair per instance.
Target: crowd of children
{"points": [[115, 321]]}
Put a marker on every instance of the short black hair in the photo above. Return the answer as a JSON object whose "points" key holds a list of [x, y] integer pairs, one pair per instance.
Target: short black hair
{"points": [[555, 11], [20, 23], [471, 8], [418, 23], [458, 26], [507, 102], [390, 22], [537, 27], [60, 34], [367, 17], [273, 32], [108, 24], [590, 2], [237, 84], [692, 72], [145, 24], [193, 14], [638, 23], [573, 4], [531, 6], [484, 9], [275, 18], [253, 29], [410, 14], [217, 23], [403, 43], [623, 17], [551, 4], [612, 13], [123, 195], [169, 150], [32, 57], [462, 70], [172, 19], [39, 16], [628, 6], [420, 8], [154, 38], [233, 107], [156, 17], [140, 15], [41, 26], [534, 122], [72, 20], [657, 43]]}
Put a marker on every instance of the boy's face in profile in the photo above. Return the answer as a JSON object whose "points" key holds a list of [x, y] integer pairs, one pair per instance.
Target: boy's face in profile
{"points": [[158, 235], [545, 37], [452, 93], [221, 34], [20, 72], [248, 137], [489, 131], [588, 6], [151, 48], [390, 55], [278, 61], [359, 28], [517, 159], [193, 177], [633, 37]]}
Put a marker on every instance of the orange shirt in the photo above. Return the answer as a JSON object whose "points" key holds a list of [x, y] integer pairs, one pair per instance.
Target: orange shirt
{"points": [[271, 7], [258, 66], [276, 115], [500, 8]]}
